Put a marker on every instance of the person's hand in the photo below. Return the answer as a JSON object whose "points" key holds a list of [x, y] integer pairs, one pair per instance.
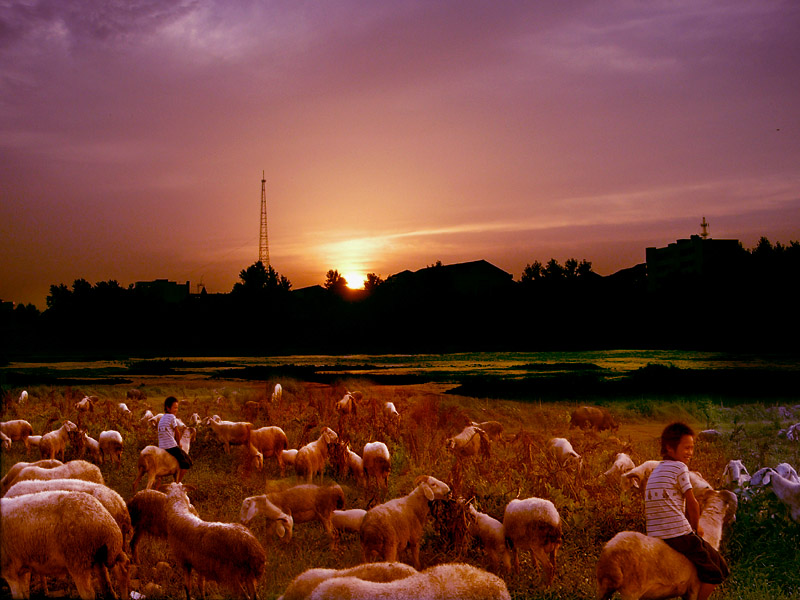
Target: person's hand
{"points": [[699, 531]]}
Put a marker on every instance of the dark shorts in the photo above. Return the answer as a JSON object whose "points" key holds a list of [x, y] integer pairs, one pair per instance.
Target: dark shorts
{"points": [[184, 462], [711, 567]]}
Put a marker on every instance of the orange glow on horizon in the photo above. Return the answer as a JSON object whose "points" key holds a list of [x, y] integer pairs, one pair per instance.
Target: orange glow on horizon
{"points": [[355, 280]]}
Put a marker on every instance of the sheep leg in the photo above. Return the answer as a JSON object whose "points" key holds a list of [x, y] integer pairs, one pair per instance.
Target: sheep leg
{"points": [[83, 581], [17, 582], [107, 589], [414, 547], [187, 581]]}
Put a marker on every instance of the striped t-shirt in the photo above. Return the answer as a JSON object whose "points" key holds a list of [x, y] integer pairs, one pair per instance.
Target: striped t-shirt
{"points": [[664, 503], [166, 431]]}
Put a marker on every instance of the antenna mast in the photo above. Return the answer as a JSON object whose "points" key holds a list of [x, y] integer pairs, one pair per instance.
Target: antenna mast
{"points": [[704, 225], [263, 244]]}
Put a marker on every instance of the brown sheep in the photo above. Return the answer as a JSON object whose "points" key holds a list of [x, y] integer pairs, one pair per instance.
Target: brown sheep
{"points": [[309, 502], [55, 442], [271, 442], [17, 431], [148, 516], [593, 418], [378, 464], [156, 462], [15, 469], [229, 432], [311, 458]]}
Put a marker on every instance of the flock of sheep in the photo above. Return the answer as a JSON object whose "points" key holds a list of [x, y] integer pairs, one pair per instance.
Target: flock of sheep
{"points": [[59, 518]]}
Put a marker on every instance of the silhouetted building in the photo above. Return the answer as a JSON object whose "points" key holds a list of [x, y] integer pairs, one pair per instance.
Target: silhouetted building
{"points": [[694, 263], [475, 277], [161, 289]]}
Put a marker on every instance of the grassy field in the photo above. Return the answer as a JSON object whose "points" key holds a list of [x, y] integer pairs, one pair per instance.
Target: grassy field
{"points": [[762, 546]]}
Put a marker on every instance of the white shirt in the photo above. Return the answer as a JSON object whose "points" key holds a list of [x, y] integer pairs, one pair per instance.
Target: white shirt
{"points": [[166, 431], [664, 502]]}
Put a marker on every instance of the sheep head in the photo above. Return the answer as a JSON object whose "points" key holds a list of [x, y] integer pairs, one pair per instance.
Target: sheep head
{"points": [[432, 487]]}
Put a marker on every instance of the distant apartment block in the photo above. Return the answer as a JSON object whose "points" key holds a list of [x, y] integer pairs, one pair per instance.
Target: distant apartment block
{"points": [[697, 263], [161, 289]]}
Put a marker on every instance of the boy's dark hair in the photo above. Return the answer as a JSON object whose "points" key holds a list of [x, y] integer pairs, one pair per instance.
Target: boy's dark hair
{"points": [[169, 402], [673, 434]]}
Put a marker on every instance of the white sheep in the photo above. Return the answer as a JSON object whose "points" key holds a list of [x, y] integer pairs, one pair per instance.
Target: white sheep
{"points": [[793, 433], [9, 478], [348, 520], [312, 457], [640, 566], [442, 582], [622, 464], [277, 394], [304, 584], [74, 469], [156, 462], [491, 533], [227, 553], [110, 499], [786, 490], [787, 471], [565, 454], [387, 529], [533, 524], [638, 476], [270, 442], [287, 458], [33, 441], [90, 444], [23, 397], [390, 413], [377, 463], [229, 432], [85, 405], [146, 418], [735, 474], [124, 413], [470, 442], [148, 516], [55, 442], [346, 406], [61, 532], [309, 502], [278, 521], [195, 420], [17, 431], [111, 444]]}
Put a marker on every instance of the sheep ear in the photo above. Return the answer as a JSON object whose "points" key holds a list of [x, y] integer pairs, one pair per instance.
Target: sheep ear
{"points": [[427, 491], [280, 529], [251, 511]]}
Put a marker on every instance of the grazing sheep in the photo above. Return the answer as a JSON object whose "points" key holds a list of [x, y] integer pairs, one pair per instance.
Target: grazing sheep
{"points": [[229, 432], [124, 413], [277, 394], [74, 469], [622, 464], [110, 499], [592, 417], [111, 444], [470, 442], [388, 528], [452, 581], [279, 522], [301, 586], [346, 462], [491, 533], [85, 405], [493, 429], [288, 457], [793, 433], [250, 410], [390, 413], [146, 418], [639, 566], [565, 454], [348, 520], [271, 442], [227, 553], [55, 442], [346, 406], [33, 441], [311, 458], [148, 516], [638, 476], [135, 394], [8, 480], [708, 435], [378, 464], [309, 502], [533, 524], [17, 431], [735, 473], [56, 532], [786, 490], [23, 397]]}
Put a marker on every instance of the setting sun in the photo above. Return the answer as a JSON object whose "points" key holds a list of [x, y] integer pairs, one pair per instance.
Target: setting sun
{"points": [[355, 280]]}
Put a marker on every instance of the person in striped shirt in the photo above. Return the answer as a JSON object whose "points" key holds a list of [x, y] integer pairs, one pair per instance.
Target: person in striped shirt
{"points": [[672, 512]]}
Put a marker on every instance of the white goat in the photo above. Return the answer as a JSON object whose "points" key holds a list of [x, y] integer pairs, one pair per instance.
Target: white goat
{"points": [[565, 454], [735, 474], [534, 524], [390, 413], [277, 394], [787, 471], [443, 582], [622, 464], [638, 476], [388, 528], [786, 490], [639, 566]]}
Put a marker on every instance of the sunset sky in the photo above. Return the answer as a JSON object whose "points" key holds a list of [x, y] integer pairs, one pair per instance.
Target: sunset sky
{"points": [[133, 134]]}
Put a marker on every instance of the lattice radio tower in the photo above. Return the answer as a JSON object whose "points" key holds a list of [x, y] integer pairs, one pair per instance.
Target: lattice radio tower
{"points": [[263, 243]]}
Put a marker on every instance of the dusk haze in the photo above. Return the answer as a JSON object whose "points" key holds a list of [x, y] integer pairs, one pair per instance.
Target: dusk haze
{"points": [[391, 135]]}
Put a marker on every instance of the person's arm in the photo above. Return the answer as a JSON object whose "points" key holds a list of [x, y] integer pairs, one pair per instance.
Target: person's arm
{"points": [[692, 510]]}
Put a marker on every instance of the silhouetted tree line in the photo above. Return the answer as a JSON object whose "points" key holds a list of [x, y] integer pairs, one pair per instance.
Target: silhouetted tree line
{"points": [[437, 309]]}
